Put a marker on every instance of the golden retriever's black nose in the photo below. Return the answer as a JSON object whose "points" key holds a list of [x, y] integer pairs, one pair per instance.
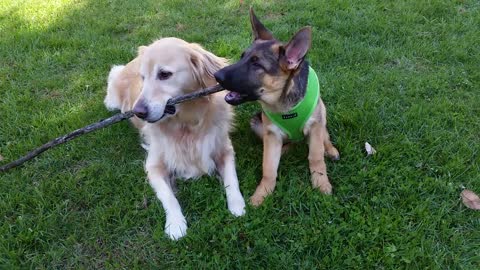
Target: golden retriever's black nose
{"points": [[140, 110]]}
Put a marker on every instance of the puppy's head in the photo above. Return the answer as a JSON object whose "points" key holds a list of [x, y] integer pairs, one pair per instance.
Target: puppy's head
{"points": [[265, 67], [171, 67]]}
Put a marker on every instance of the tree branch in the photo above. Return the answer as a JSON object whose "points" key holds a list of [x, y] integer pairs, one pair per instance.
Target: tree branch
{"points": [[101, 124]]}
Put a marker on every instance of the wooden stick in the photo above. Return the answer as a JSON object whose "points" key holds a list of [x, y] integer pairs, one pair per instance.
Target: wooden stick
{"points": [[199, 93], [101, 124]]}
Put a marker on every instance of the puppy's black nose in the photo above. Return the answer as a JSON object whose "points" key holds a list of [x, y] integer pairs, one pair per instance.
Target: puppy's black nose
{"points": [[140, 110], [219, 76]]}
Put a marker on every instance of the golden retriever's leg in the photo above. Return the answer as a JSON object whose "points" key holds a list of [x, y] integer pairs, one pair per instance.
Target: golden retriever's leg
{"points": [[175, 225], [316, 159], [225, 164], [331, 151], [272, 151]]}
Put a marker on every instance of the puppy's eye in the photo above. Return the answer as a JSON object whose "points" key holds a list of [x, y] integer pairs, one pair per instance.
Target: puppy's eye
{"points": [[255, 62], [163, 75], [143, 77]]}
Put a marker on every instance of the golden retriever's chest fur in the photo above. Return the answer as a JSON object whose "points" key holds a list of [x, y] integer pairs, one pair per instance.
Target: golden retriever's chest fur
{"points": [[188, 149], [185, 154]]}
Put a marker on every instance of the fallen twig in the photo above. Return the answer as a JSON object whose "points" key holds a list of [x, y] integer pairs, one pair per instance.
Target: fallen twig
{"points": [[101, 124]]}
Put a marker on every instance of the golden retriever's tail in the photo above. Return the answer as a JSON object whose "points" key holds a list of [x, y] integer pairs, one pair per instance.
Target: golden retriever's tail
{"points": [[112, 100]]}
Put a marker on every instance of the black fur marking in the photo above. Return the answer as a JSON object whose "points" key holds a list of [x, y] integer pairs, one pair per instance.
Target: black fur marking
{"points": [[299, 88]]}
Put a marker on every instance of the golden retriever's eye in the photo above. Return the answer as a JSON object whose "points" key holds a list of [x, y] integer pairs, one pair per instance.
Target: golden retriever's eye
{"points": [[143, 77], [163, 75]]}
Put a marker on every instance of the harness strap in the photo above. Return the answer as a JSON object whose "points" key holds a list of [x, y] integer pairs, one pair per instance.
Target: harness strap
{"points": [[293, 121]]}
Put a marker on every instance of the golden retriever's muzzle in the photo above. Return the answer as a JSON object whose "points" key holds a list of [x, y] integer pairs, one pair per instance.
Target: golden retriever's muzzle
{"points": [[142, 111]]}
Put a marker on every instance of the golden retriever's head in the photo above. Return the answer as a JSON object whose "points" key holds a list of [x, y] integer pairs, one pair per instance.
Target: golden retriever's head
{"points": [[171, 67]]}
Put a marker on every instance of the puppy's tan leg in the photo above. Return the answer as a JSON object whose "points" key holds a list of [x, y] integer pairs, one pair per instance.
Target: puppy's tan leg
{"points": [[331, 151], [316, 160], [272, 148], [257, 126]]}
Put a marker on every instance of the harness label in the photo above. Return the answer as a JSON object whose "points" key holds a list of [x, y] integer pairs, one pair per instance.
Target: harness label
{"points": [[289, 116]]}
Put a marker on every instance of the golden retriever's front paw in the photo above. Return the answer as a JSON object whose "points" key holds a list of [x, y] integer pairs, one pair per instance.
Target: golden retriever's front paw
{"points": [[176, 227], [236, 206], [320, 181]]}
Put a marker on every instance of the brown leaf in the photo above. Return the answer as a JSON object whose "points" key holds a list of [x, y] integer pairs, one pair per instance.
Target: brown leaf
{"points": [[470, 199], [1, 158]]}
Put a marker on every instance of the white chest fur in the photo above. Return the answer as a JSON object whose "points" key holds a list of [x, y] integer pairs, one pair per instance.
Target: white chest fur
{"points": [[186, 153]]}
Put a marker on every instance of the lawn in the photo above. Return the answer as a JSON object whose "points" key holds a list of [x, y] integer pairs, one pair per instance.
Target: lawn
{"points": [[402, 75]]}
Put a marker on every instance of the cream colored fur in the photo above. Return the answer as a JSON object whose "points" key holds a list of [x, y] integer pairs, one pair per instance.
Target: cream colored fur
{"points": [[193, 142]]}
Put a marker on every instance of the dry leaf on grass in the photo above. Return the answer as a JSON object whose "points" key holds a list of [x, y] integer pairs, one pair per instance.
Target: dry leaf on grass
{"points": [[370, 150], [470, 199], [1, 157]]}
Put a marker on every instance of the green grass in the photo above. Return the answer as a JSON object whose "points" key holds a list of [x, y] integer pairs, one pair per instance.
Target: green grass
{"points": [[402, 75]]}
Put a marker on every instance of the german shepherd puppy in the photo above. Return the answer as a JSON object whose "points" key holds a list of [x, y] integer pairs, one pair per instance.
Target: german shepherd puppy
{"points": [[276, 74]]}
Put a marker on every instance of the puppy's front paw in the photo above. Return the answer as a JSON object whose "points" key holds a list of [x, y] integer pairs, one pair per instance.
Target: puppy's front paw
{"points": [[236, 206], [320, 181], [176, 227], [256, 199], [263, 189], [333, 153]]}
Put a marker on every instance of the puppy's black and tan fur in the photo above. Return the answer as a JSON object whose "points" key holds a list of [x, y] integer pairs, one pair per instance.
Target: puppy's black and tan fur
{"points": [[276, 74]]}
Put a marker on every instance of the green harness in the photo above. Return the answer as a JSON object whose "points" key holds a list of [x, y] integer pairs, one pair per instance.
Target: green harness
{"points": [[292, 122]]}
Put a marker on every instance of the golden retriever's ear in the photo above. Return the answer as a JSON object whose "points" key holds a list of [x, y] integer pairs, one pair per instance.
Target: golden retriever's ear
{"points": [[141, 49], [205, 64]]}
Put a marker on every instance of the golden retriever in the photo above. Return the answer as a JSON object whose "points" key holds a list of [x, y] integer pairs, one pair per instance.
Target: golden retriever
{"points": [[187, 141]]}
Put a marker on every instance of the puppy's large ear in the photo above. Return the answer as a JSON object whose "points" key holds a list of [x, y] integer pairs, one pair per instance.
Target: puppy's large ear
{"points": [[259, 31], [292, 54], [204, 64]]}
